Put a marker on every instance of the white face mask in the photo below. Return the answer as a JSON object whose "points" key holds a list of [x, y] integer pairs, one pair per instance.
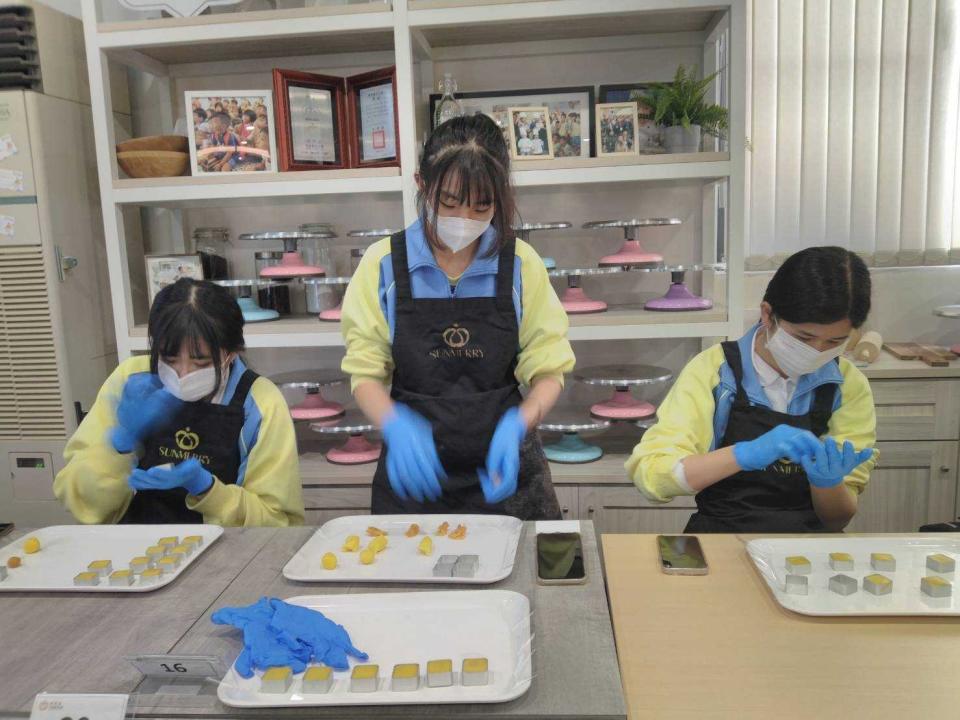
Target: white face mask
{"points": [[457, 233], [795, 357], [191, 387]]}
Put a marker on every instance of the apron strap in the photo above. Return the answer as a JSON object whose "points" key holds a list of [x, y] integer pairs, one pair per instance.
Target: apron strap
{"points": [[243, 388], [504, 288], [731, 351], [401, 272], [822, 408]]}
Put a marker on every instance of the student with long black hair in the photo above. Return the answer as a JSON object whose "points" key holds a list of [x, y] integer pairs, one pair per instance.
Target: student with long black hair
{"points": [[456, 314], [773, 432], [188, 433]]}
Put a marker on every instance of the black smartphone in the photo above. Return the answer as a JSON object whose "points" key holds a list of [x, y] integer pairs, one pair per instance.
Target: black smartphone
{"points": [[681, 555], [560, 559], [5, 528]]}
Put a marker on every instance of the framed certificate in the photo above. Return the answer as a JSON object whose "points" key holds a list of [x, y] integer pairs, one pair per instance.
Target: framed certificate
{"points": [[312, 134], [372, 106]]}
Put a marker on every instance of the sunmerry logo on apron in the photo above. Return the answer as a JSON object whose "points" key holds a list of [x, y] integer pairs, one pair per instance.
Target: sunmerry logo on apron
{"points": [[187, 441], [456, 339]]}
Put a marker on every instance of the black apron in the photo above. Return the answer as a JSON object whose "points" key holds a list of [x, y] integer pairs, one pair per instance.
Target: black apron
{"points": [[773, 500], [454, 360], [211, 434]]}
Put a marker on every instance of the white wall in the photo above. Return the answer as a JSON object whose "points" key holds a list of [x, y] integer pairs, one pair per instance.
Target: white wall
{"points": [[70, 7]]}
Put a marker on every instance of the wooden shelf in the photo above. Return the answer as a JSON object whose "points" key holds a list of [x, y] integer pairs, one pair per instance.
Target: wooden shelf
{"points": [[254, 188], [294, 332], [582, 171]]}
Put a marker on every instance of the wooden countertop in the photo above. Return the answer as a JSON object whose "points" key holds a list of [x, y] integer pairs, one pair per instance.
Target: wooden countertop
{"points": [[720, 646], [887, 367]]}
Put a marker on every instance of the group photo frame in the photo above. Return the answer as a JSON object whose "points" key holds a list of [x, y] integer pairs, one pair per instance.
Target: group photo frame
{"points": [[231, 131]]}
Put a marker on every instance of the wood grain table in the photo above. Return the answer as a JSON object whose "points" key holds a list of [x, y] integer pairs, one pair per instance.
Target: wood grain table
{"points": [[720, 646], [574, 658]]}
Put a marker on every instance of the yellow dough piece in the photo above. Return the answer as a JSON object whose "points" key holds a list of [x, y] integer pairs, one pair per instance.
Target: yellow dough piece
{"points": [[155, 552], [379, 543], [413, 530], [352, 543], [374, 531], [443, 529], [329, 561], [139, 564], [425, 547], [14, 562], [31, 545], [367, 556], [169, 542], [151, 574], [87, 579], [101, 567], [193, 540], [460, 533]]}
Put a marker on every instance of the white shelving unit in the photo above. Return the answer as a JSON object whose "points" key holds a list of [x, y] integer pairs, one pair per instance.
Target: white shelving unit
{"points": [[417, 33]]}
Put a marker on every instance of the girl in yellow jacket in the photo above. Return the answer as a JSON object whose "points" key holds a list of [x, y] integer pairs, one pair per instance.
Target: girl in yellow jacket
{"points": [[772, 433], [456, 314], [188, 434]]}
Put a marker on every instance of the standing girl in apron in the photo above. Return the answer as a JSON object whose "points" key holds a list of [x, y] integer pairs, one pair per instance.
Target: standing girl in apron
{"points": [[773, 432], [456, 313], [187, 434]]}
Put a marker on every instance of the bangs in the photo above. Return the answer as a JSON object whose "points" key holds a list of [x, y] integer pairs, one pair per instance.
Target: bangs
{"points": [[185, 327], [466, 177]]}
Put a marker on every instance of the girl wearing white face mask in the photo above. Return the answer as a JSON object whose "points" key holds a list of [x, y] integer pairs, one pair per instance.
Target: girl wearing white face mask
{"points": [[774, 432], [187, 434], [455, 313]]}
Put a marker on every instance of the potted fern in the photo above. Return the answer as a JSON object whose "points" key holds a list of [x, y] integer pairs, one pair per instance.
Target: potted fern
{"points": [[680, 109]]}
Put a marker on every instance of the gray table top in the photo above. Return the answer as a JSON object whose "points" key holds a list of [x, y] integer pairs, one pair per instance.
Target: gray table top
{"points": [[77, 643]]}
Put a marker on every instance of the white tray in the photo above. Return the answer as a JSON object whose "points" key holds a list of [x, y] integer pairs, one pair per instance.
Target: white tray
{"points": [[66, 550], [769, 554], [415, 627], [494, 538]]}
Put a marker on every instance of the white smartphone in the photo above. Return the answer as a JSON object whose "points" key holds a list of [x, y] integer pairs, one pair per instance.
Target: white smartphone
{"points": [[681, 555], [560, 559]]}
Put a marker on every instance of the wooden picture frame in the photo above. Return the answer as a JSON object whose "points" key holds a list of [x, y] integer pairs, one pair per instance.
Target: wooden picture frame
{"points": [[220, 137], [305, 104], [617, 129], [649, 141], [372, 117], [530, 134]]}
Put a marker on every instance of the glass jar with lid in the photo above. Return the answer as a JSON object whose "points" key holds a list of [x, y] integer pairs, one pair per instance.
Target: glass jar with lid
{"points": [[315, 245], [211, 244]]}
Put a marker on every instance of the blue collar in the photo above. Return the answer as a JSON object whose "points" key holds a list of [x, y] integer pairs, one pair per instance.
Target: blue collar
{"points": [[829, 373], [237, 368], [420, 255]]}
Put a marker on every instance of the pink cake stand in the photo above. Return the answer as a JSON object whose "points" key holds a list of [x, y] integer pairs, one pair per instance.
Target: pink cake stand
{"points": [[950, 311], [292, 264], [632, 253], [314, 406], [679, 297], [574, 300], [333, 314], [623, 406], [357, 450]]}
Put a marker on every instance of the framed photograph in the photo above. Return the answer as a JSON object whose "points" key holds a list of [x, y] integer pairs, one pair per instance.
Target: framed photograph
{"points": [[530, 136], [372, 109], [163, 270], [231, 131], [617, 129], [571, 118], [649, 141], [311, 132]]}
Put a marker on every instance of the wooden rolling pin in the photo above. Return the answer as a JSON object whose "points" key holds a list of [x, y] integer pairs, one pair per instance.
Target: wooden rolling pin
{"points": [[868, 349]]}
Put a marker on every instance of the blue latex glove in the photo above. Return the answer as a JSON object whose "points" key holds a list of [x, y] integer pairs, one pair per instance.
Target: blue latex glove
{"points": [[827, 467], [784, 441], [190, 475], [329, 643], [144, 406], [413, 466], [263, 648], [239, 616], [498, 479]]}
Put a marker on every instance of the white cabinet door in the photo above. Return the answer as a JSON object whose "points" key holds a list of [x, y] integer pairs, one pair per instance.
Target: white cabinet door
{"points": [[624, 509]]}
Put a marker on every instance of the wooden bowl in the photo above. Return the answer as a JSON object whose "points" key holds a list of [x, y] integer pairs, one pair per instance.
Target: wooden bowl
{"points": [[154, 163], [174, 143]]}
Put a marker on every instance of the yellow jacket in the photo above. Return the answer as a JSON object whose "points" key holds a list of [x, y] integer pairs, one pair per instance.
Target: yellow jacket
{"points": [[93, 485], [369, 303], [692, 418]]}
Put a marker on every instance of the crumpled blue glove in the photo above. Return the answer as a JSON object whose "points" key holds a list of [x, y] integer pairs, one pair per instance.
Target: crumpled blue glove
{"points": [[413, 466], [328, 642], [190, 475], [264, 648], [784, 441], [144, 406], [827, 467], [239, 616], [498, 479]]}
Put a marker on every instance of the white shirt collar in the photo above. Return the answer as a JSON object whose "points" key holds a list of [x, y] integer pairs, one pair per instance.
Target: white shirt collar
{"points": [[778, 389]]}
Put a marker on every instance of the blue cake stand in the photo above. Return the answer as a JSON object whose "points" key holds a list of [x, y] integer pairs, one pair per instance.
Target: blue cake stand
{"points": [[243, 291], [571, 448]]}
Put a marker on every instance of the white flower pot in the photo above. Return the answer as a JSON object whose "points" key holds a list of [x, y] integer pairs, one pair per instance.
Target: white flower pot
{"points": [[680, 139]]}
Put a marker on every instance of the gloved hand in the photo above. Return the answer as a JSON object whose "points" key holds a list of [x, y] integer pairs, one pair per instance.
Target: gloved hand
{"points": [[827, 467], [144, 406], [240, 616], [190, 475], [498, 479], [784, 441], [329, 643], [264, 648], [413, 466]]}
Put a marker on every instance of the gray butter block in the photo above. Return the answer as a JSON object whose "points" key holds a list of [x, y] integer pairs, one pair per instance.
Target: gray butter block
{"points": [[936, 587], [843, 585], [466, 566], [365, 678], [448, 560], [318, 680], [877, 584], [276, 680], [796, 585], [941, 563], [883, 562], [443, 570]]}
